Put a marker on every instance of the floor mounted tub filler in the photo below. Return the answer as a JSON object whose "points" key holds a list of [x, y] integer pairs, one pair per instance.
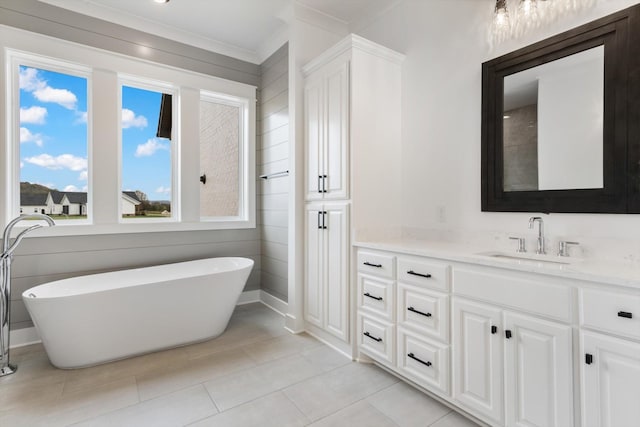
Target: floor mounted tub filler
{"points": [[88, 320]]}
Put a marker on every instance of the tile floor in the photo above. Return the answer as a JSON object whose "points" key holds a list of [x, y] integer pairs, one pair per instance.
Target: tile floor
{"points": [[255, 374]]}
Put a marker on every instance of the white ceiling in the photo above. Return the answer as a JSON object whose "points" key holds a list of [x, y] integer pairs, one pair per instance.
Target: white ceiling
{"points": [[244, 29]]}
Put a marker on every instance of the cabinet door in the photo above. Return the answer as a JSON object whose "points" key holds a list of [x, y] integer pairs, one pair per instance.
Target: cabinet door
{"points": [[336, 221], [313, 292], [538, 369], [610, 382], [477, 358], [337, 130], [314, 134]]}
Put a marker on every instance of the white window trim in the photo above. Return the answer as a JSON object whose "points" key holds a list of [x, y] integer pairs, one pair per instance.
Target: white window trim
{"points": [[168, 88], [245, 202], [37, 45]]}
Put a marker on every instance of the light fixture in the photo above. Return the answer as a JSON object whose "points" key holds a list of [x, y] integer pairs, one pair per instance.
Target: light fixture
{"points": [[161, 1], [529, 15]]}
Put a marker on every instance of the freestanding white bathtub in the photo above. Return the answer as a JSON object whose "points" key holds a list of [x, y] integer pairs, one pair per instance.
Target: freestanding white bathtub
{"points": [[93, 319]]}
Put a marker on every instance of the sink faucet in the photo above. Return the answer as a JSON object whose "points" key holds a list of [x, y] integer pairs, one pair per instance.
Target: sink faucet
{"points": [[540, 247], [5, 283]]}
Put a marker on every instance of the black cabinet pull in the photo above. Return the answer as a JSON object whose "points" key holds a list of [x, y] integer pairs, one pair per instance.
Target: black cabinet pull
{"points": [[413, 273], [367, 334], [367, 294], [324, 220], [507, 334], [324, 183], [319, 183], [319, 220], [625, 314], [412, 356], [588, 359], [418, 312], [203, 178], [494, 329], [372, 265]]}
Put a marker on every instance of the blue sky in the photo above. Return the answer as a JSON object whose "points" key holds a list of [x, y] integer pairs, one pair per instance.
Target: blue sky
{"points": [[53, 135]]}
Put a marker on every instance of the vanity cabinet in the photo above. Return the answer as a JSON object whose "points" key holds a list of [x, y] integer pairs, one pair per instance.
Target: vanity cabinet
{"points": [[327, 273], [495, 345], [609, 357]]}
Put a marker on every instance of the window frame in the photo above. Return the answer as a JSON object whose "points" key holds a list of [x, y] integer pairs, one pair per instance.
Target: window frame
{"points": [[14, 60], [103, 124], [167, 88], [243, 150]]}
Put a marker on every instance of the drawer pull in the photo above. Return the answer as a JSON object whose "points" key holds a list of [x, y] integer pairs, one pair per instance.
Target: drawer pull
{"points": [[625, 314], [412, 356], [588, 359], [413, 273], [368, 335], [367, 294], [418, 312], [507, 334], [372, 265], [494, 329]]}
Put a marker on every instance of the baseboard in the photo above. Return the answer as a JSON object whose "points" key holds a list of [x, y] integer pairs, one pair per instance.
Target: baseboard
{"points": [[247, 297], [28, 336], [274, 303]]}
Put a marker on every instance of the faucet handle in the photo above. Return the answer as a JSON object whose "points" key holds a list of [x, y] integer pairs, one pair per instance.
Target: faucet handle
{"points": [[521, 245], [563, 247]]}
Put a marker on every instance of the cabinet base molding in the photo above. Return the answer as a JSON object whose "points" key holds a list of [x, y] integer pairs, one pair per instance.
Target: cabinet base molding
{"points": [[326, 338]]}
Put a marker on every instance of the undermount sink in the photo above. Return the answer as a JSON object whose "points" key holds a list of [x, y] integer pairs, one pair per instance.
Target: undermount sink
{"points": [[524, 258]]}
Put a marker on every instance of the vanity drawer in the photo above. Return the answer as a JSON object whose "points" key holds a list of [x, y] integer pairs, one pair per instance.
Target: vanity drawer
{"points": [[424, 361], [377, 296], [376, 339], [618, 313], [378, 264], [424, 311], [526, 292], [422, 272]]}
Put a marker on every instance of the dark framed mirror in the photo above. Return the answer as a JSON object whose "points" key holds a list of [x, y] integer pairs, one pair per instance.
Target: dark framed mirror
{"points": [[561, 122]]}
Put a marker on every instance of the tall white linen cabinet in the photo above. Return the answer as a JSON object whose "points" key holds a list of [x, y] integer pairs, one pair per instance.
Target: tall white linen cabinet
{"points": [[352, 105]]}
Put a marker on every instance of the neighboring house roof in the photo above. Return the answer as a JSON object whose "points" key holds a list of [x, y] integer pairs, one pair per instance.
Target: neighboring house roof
{"points": [[133, 200], [133, 195], [56, 196], [76, 197], [37, 199]]}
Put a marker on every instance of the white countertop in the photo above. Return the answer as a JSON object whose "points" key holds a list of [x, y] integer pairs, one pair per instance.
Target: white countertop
{"points": [[620, 273]]}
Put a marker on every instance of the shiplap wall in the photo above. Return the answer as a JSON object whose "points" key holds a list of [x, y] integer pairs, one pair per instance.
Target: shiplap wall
{"points": [[273, 156], [40, 260]]}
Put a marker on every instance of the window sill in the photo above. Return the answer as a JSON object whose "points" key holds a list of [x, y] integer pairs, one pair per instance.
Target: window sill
{"points": [[61, 230]]}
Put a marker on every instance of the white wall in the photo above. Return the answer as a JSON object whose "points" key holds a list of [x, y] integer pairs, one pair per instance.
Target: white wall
{"points": [[445, 42]]}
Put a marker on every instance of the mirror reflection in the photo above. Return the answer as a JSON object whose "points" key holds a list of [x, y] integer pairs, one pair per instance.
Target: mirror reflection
{"points": [[553, 124]]}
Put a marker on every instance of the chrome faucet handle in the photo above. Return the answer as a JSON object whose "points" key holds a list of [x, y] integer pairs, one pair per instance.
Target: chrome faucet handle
{"points": [[521, 244], [563, 247]]}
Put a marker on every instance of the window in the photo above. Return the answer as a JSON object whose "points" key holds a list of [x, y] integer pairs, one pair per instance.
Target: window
{"points": [[146, 157], [113, 144], [53, 140], [222, 151]]}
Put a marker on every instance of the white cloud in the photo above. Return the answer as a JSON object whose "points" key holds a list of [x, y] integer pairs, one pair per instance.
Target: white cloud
{"points": [[46, 184], [81, 117], [63, 161], [63, 97], [130, 120], [34, 115], [21, 165], [163, 190], [150, 147], [71, 188], [83, 176], [31, 82], [27, 136]]}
